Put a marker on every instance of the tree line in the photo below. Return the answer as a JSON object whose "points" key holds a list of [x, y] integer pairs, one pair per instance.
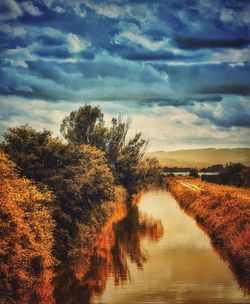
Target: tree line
{"points": [[50, 186], [233, 174]]}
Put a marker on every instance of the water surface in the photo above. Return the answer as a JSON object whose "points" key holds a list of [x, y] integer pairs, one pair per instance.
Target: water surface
{"points": [[159, 255]]}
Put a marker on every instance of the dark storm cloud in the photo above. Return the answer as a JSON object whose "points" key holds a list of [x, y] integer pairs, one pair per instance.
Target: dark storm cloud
{"points": [[155, 56], [224, 88], [232, 111], [48, 41], [55, 52], [196, 43], [208, 78]]}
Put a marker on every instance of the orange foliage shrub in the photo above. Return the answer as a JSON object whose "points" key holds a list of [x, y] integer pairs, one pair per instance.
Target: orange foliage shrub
{"points": [[224, 212], [26, 229]]}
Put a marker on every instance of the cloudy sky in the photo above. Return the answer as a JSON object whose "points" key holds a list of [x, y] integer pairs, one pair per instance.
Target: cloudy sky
{"points": [[180, 69]]}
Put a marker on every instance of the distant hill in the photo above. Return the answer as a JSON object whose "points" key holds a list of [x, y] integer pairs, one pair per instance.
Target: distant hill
{"points": [[202, 157]]}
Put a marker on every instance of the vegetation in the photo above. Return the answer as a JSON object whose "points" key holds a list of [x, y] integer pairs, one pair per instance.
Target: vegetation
{"points": [[176, 169], [26, 229], [233, 174], [86, 176], [224, 213], [124, 157], [85, 126], [193, 173], [213, 168]]}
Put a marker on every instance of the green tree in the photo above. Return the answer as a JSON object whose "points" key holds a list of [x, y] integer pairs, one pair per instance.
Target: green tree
{"points": [[127, 173], [116, 139], [27, 148], [85, 126]]}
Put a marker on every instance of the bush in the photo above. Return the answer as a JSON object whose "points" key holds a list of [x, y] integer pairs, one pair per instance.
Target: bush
{"points": [[26, 228], [194, 173]]}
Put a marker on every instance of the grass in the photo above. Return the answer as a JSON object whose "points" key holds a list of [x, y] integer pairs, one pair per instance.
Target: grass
{"points": [[224, 213]]}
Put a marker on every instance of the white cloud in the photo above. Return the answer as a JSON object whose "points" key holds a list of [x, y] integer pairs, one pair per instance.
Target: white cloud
{"points": [[10, 10], [237, 17], [18, 56], [144, 13], [227, 15], [79, 10], [231, 55], [142, 40], [59, 9], [170, 128], [133, 34], [12, 30], [108, 10], [39, 114], [75, 44], [48, 3], [167, 128], [31, 9]]}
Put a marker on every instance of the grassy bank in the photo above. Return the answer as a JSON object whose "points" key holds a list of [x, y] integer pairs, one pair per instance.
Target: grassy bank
{"points": [[224, 214]]}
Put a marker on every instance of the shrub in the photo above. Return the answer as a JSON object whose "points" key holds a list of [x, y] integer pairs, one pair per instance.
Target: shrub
{"points": [[26, 229]]}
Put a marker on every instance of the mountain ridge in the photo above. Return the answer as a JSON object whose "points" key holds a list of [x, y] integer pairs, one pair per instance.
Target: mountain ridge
{"points": [[201, 157]]}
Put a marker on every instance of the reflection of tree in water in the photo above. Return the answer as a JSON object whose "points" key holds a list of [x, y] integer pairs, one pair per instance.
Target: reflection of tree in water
{"points": [[129, 234], [116, 246]]}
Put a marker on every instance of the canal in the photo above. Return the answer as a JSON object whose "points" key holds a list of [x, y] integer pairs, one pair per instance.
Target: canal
{"points": [[156, 254]]}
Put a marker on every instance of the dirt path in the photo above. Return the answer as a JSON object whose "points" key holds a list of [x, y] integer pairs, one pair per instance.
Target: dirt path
{"points": [[196, 188], [189, 186]]}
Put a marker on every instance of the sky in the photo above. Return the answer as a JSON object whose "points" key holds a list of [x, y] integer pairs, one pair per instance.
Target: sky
{"points": [[179, 69]]}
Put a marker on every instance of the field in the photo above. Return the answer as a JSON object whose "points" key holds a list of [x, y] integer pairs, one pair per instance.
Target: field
{"points": [[202, 157], [223, 212]]}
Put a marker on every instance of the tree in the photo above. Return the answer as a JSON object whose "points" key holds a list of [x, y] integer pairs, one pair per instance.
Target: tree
{"points": [[85, 126], [194, 173], [150, 172], [234, 174], [27, 148], [116, 139], [128, 162], [78, 175]]}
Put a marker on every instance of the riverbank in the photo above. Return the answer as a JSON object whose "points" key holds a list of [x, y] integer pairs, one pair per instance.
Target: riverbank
{"points": [[87, 269], [223, 212], [102, 217]]}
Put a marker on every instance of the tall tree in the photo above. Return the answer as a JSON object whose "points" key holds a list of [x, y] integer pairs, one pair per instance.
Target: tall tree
{"points": [[85, 126], [116, 139]]}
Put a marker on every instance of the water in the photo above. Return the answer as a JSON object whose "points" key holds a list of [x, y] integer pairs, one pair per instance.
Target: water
{"points": [[155, 254], [184, 173], [159, 255]]}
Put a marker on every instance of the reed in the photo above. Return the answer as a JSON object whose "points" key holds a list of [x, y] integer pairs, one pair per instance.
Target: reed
{"points": [[223, 212]]}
